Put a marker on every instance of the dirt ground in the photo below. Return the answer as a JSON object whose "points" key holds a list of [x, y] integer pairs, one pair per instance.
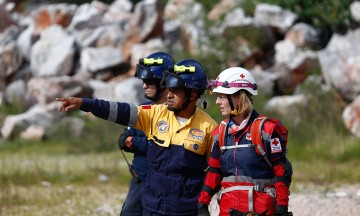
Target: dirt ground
{"points": [[320, 201], [107, 199]]}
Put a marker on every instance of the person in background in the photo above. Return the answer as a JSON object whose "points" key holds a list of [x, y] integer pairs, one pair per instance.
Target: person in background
{"points": [[150, 70], [251, 177], [179, 135]]}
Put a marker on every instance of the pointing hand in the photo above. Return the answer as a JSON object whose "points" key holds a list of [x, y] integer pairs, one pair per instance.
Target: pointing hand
{"points": [[69, 103]]}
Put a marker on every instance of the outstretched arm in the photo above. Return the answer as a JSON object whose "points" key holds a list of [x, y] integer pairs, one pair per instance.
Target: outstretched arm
{"points": [[69, 103], [117, 112]]}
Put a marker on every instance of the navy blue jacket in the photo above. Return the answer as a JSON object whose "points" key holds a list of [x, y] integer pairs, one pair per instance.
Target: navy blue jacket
{"points": [[177, 154]]}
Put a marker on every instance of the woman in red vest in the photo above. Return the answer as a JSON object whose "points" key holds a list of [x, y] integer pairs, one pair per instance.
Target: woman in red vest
{"points": [[247, 167]]}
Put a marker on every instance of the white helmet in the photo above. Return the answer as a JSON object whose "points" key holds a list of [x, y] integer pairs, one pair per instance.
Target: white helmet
{"points": [[234, 79]]}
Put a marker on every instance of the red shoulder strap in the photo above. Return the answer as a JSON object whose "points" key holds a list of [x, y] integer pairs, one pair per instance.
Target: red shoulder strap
{"points": [[255, 131], [282, 131], [222, 128]]}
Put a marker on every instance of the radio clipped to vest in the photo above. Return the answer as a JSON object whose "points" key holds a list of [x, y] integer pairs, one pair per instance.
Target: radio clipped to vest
{"points": [[131, 169]]}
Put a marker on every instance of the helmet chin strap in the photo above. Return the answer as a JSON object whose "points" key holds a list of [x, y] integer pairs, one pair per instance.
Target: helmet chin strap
{"points": [[234, 111]]}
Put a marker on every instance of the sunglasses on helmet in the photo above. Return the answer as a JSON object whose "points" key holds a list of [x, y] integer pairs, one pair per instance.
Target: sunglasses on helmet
{"points": [[171, 80], [144, 72]]}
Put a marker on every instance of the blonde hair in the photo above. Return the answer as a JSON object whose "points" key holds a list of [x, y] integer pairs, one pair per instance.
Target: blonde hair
{"points": [[245, 102]]}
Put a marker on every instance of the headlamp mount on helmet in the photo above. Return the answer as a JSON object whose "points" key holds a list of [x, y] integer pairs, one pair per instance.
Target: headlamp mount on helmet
{"points": [[234, 79], [226, 84], [151, 61], [182, 69]]}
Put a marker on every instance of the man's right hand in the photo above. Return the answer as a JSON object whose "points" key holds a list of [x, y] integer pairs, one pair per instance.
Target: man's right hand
{"points": [[69, 103], [125, 141]]}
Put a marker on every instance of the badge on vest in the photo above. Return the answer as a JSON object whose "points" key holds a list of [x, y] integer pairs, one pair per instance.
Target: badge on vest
{"points": [[146, 106], [275, 145], [162, 126], [197, 133], [248, 136]]}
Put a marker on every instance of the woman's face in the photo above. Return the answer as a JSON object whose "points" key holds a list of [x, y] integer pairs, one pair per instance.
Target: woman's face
{"points": [[223, 103]]}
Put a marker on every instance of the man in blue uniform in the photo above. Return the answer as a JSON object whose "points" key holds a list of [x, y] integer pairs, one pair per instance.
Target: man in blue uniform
{"points": [[179, 135], [150, 70]]}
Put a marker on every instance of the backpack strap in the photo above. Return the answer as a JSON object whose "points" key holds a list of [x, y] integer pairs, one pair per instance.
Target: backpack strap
{"points": [[256, 138], [222, 131]]}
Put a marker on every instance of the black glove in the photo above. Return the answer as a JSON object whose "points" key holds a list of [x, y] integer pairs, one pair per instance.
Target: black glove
{"points": [[281, 210], [122, 139], [203, 210], [234, 212]]}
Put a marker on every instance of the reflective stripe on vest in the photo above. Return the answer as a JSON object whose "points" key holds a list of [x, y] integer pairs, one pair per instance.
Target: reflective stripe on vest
{"points": [[250, 189], [237, 146], [247, 179]]}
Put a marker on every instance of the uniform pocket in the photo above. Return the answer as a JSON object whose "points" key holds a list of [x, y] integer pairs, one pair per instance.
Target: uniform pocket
{"points": [[195, 146]]}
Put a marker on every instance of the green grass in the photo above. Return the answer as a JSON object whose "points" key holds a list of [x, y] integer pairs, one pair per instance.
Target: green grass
{"points": [[25, 168], [41, 181], [74, 199]]}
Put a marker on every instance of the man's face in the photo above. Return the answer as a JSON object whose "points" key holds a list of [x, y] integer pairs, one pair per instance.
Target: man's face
{"points": [[149, 88], [175, 98]]}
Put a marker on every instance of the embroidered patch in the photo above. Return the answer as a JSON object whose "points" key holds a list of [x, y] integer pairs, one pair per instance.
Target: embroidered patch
{"points": [[196, 146], [146, 106], [197, 133], [275, 145], [162, 126], [248, 136]]}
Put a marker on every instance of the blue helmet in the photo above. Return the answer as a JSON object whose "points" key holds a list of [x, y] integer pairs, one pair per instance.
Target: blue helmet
{"points": [[153, 66], [187, 73]]}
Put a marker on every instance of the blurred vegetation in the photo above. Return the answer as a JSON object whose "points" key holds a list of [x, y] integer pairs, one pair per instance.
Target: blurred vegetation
{"points": [[322, 150], [79, 2], [327, 16], [13, 108]]}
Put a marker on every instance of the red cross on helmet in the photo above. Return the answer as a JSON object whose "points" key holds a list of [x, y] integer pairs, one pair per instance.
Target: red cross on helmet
{"points": [[234, 79]]}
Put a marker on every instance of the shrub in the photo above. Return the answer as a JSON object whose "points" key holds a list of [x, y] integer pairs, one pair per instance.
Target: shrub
{"points": [[328, 16]]}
